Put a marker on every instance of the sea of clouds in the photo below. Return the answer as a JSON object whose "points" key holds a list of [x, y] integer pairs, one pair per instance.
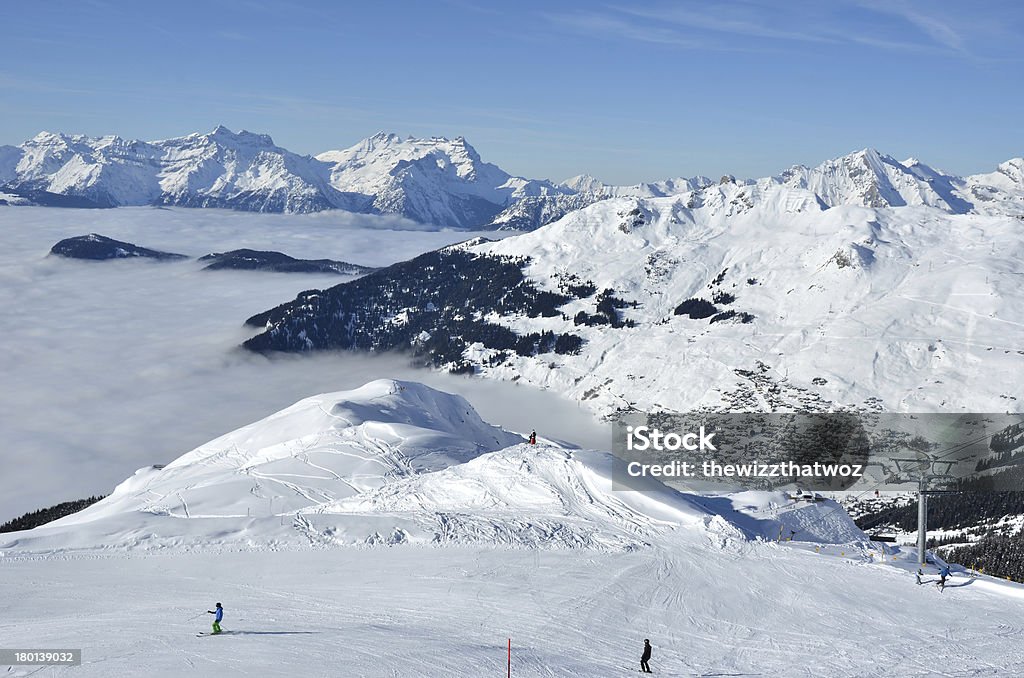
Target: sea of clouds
{"points": [[111, 366]]}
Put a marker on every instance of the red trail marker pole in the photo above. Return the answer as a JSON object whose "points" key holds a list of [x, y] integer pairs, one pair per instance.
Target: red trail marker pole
{"points": [[509, 658]]}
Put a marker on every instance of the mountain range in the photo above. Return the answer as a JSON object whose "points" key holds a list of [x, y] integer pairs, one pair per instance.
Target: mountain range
{"points": [[745, 296], [436, 180]]}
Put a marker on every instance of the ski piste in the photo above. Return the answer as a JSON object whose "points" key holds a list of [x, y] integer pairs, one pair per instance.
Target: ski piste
{"points": [[710, 674], [517, 540]]}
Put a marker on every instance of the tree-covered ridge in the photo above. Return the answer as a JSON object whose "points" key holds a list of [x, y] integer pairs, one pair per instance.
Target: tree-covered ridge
{"points": [[998, 553], [48, 515], [435, 305]]}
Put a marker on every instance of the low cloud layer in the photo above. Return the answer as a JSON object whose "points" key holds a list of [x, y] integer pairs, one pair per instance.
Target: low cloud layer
{"points": [[112, 366]]}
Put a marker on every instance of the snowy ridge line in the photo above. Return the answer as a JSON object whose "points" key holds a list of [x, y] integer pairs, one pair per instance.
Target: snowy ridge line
{"points": [[443, 181], [393, 463]]}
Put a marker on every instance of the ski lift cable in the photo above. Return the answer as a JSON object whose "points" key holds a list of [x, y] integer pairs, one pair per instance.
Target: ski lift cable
{"points": [[944, 453]]}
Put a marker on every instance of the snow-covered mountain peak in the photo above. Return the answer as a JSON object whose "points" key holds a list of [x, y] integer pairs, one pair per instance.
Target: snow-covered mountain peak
{"points": [[870, 178], [584, 183], [389, 462], [1013, 171], [370, 144], [223, 135], [391, 146], [394, 412], [867, 163], [998, 192], [444, 181], [46, 137], [434, 180], [319, 450], [58, 143]]}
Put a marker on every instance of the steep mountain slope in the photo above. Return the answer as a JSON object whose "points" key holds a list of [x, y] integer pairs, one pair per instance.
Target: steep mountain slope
{"points": [[436, 180], [871, 179], [244, 171], [433, 305], [808, 307]]}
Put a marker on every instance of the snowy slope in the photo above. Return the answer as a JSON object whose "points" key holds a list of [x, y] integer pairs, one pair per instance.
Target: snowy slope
{"points": [[589, 569], [320, 450], [397, 462], [525, 495], [999, 192], [709, 607], [909, 308], [812, 307], [390, 462]]}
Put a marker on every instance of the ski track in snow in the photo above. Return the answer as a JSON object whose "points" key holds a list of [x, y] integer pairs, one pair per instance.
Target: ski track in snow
{"points": [[760, 609]]}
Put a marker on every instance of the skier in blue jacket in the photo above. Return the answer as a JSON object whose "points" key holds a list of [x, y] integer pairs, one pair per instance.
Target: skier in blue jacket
{"points": [[219, 615], [943, 573]]}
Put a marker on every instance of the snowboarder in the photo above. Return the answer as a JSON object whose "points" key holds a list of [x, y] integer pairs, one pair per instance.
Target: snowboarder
{"points": [[943, 573], [219, 615], [533, 437], [646, 657]]}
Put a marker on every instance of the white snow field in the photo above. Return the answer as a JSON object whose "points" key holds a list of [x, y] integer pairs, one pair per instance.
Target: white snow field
{"points": [[389, 531]]}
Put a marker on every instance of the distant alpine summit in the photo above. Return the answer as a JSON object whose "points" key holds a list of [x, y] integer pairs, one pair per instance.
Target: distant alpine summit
{"points": [[435, 181]]}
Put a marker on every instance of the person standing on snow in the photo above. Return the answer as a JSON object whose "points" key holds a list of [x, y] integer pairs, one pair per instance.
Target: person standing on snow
{"points": [[533, 437], [219, 615], [943, 573], [646, 657]]}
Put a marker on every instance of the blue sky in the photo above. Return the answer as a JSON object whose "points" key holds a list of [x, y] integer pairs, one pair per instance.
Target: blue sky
{"points": [[625, 91]]}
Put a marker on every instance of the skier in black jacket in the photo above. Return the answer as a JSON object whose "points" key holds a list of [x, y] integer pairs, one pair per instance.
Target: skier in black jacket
{"points": [[645, 657]]}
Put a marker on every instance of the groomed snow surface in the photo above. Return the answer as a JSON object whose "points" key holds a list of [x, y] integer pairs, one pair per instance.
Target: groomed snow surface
{"points": [[390, 531]]}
